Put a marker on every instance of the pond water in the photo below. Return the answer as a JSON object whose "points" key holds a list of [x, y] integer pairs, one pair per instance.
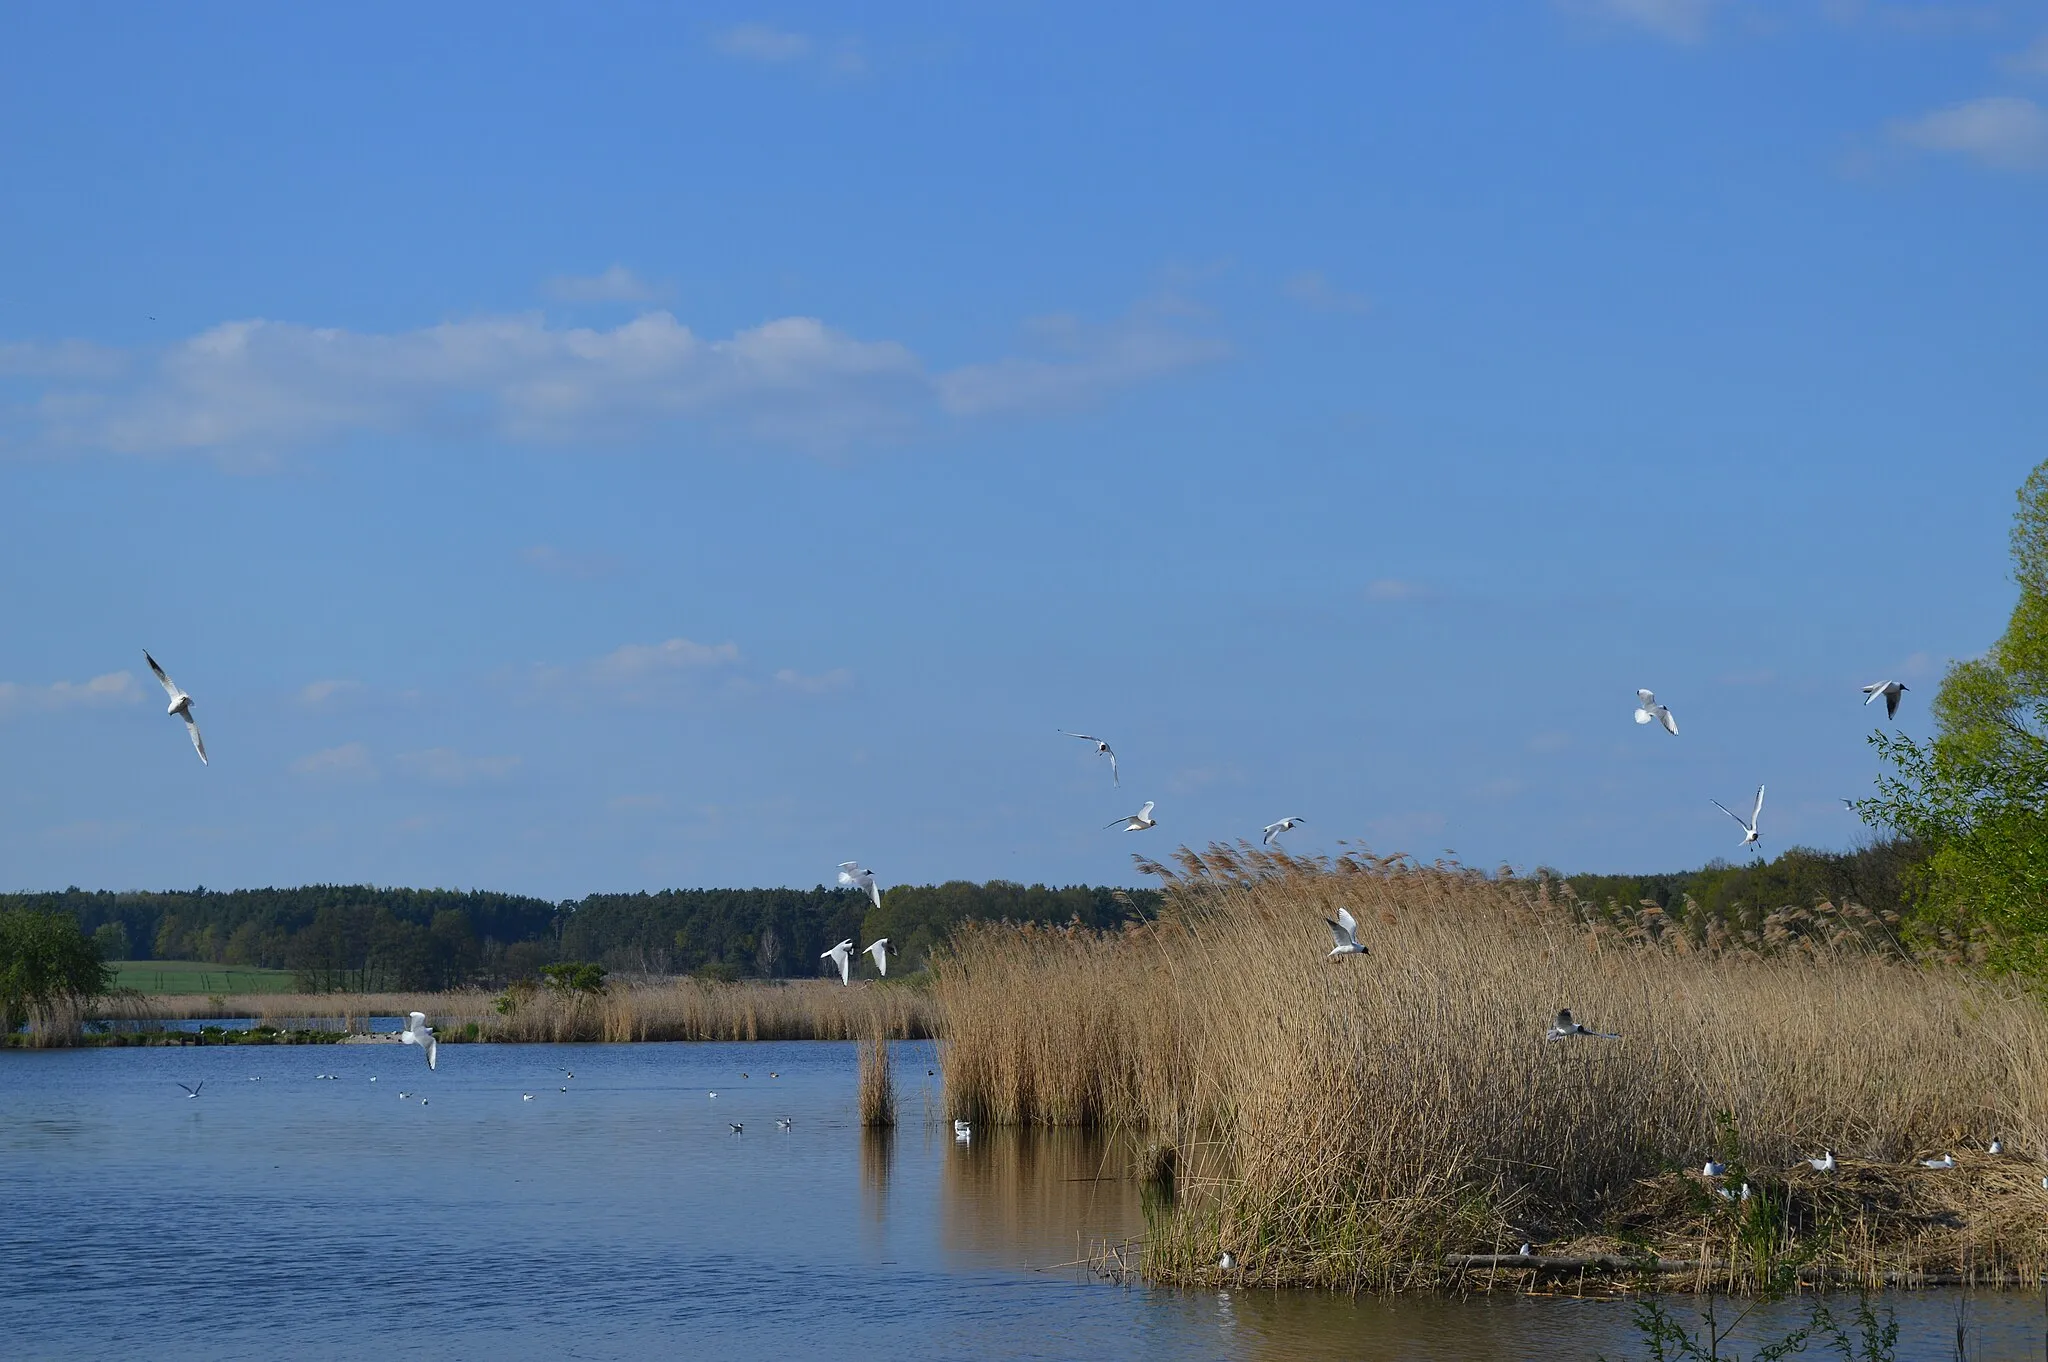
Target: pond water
{"points": [[284, 1215]]}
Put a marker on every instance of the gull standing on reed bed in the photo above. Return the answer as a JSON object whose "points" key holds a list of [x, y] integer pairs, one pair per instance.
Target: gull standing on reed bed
{"points": [[842, 956], [1564, 1028], [1890, 690], [1345, 932], [417, 1032], [1648, 711], [1712, 1169], [880, 951], [181, 705], [1136, 822], [1273, 830], [1824, 1164], [1945, 1161], [1101, 750], [851, 872], [1749, 833]]}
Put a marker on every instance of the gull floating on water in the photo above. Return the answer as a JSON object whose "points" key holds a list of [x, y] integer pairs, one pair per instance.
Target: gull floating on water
{"points": [[853, 873], [880, 950], [193, 1092], [783, 1123], [842, 956], [181, 705], [1945, 1161], [526, 1097], [1749, 833], [1713, 1169], [1824, 1164], [1273, 830], [737, 1128], [1890, 691], [1648, 711], [1138, 821], [962, 1131], [1564, 1028], [1101, 750], [417, 1032], [1345, 931]]}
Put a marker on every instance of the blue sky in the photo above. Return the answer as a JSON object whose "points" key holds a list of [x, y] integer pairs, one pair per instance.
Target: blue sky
{"points": [[578, 449]]}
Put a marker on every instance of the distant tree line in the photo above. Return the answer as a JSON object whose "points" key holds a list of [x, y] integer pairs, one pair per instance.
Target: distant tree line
{"points": [[359, 937]]}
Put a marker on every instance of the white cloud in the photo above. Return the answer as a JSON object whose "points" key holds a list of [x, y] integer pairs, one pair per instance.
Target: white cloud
{"points": [[1678, 21], [2033, 60], [112, 688], [1393, 589], [761, 42], [446, 766], [1312, 289], [616, 285], [635, 661], [244, 390], [64, 359], [2004, 132], [318, 693], [839, 678], [350, 761], [581, 567], [1088, 361]]}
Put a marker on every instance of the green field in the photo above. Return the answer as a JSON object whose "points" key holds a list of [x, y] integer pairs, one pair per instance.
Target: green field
{"points": [[196, 976]]}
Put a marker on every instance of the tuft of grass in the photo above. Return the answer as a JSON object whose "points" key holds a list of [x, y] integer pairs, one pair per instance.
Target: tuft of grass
{"points": [[1349, 1122], [877, 1085]]}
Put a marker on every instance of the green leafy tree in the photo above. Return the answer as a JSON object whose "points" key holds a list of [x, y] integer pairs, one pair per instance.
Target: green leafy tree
{"points": [[1976, 794], [47, 962]]}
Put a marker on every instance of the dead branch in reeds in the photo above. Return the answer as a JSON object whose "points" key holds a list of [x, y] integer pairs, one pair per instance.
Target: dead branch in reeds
{"points": [[1351, 1122]]}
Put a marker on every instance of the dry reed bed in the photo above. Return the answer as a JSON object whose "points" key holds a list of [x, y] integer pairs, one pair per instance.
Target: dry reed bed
{"points": [[681, 1009], [1349, 1122]]}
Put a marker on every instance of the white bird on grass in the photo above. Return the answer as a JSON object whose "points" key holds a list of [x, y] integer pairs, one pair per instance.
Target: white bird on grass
{"points": [[853, 873], [1648, 711], [1523, 1251], [1564, 1028], [1890, 690], [1995, 1147], [1824, 1164], [1749, 833], [181, 705], [1712, 1169], [1273, 830], [1101, 750], [417, 1032], [1138, 821], [193, 1092], [1228, 1262], [1945, 1161], [842, 956], [1345, 932], [880, 951]]}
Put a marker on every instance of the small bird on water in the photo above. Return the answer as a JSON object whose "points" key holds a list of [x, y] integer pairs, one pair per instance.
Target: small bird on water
{"points": [[737, 1127]]}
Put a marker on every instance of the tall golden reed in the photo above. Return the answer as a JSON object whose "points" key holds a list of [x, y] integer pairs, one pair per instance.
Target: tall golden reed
{"points": [[1349, 1121], [679, 1009], [877, 1084]]}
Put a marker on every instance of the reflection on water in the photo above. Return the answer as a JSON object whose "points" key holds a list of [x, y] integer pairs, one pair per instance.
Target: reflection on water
{"points": [[285, 1215]]}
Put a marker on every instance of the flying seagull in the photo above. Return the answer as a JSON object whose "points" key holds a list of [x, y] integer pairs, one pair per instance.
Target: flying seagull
{"points": [[851, 872], [842, 956], [1345, 931], [1749, 834], [181, 705], [1824, 1164], [193, 1092], [880, 950], [1648, 711], [1888, 689], [1138, 821], [417, 1032], [1564, 1028], [1273, 830], [1101, 750]]}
